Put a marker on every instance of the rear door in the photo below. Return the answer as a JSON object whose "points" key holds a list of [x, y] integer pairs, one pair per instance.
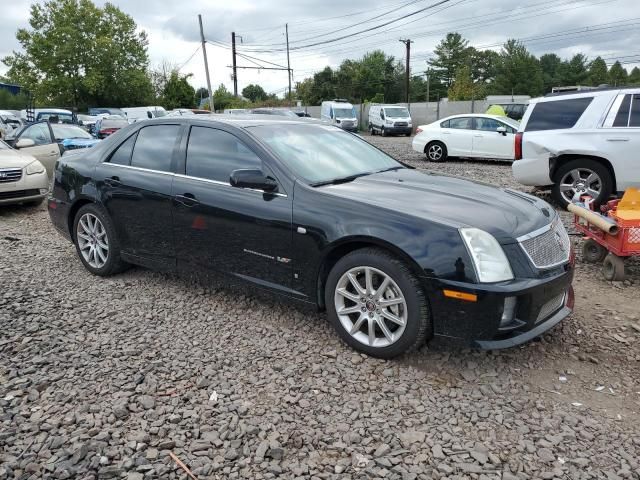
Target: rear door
{"points": [[489, 143], [458, 136], [620, 139], [46, 148], [134, 185]]}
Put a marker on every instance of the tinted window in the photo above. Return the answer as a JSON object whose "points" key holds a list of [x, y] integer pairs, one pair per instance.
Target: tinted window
{"points": [[213, 154], [39, 133], [487, 124], [154, 147], [557, 114], [445, 124], [622, 117], [635, 112], [122, 156], [463, 123]]}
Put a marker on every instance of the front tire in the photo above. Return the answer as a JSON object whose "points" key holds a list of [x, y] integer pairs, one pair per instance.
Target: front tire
{"points": [[96, 242], [376, 304], [582, 176], [436, 151]]}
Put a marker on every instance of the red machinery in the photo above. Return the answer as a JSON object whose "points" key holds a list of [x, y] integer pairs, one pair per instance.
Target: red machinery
{"points": [[622, 241]]}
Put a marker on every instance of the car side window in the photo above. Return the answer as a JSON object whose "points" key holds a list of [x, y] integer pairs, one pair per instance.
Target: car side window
{"points": [[487, 124], [634, 118], [154, 147], [463, 123], [213, 154], [622, 117], [122, 155], [445, 124], [39, 133]]}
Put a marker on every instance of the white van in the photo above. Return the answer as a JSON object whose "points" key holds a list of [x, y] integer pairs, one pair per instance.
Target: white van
{"points": [[135, 114], [340, 113], [389, 119]]}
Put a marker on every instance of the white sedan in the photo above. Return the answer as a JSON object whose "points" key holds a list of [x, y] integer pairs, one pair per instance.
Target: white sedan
{"points": [[468, 135]]}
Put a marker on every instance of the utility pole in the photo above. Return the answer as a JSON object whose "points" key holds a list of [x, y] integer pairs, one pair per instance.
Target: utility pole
{"points": [[286, 30], [407, 44], [206, 65], [235, 70], [428, 73]]}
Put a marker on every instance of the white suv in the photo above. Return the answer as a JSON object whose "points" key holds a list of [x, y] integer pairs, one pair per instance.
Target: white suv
{"points": [[581, 143]]}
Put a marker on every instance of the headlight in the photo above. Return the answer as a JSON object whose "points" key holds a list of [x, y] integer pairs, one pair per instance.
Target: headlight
{"points": [[490, 262], [35, 167], [389, 122]]}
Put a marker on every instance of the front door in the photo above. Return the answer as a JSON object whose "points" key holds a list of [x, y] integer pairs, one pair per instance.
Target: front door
{"points": [[134, 184], [45, 148], [242, 232], [489, 143]]}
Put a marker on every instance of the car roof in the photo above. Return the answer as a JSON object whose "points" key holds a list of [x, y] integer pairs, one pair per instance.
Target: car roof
{"points": [[465, 115], [241, 121]]}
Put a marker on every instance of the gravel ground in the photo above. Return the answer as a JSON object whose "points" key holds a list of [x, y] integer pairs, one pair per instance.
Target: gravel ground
{"points": [[103, 378]]}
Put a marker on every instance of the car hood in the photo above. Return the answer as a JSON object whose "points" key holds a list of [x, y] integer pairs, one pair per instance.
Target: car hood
{"points": [[14, 159], [506, 214]]}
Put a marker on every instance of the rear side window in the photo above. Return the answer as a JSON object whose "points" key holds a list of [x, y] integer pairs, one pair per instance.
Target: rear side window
{"points": [[213, 154], [463, 123], [622, 117], [557, 114], [122, 156], [634, 119], [154, 147]]}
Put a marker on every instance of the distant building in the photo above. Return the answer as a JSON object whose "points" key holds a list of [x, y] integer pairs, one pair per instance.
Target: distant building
{"points": [[13, 89]]}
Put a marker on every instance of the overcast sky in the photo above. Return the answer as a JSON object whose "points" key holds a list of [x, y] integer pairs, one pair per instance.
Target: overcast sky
{"points": [[610, 28]]}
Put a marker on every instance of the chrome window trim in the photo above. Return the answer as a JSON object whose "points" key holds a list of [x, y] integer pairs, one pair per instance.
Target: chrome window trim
{"points": [[140, 169], [224, 184], [613, 112]]}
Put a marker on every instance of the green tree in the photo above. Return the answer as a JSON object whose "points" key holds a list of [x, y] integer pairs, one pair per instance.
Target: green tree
{"points": [[177, 92], [254, 93], [518, 71], [78, 54], [617, 75], [574, 71], [463, 86], [598, 73], [450, 54], [634, 77], [550, 65]]}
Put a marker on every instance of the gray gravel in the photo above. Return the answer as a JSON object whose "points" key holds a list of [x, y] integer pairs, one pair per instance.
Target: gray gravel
{"points": [[102, 378]]}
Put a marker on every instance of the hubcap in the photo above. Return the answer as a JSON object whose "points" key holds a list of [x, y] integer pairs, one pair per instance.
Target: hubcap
{"points": [[371, 306], [578, 182], [92, 240], [435, 152]]}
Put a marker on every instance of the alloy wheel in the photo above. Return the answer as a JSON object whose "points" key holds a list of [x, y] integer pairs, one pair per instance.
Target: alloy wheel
{"points": [[92, 240], [371, 306], [435, 152], [580, 181]]}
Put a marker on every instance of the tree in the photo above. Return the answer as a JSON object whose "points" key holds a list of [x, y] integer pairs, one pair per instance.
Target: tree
{"points": [[518, 71], [254, 93], [201, 94], [617, 75], [177, 91], [634, 77], [463, 86], [574, 72], [450, 54], [78, 54], [598, 73], [550, 65]]}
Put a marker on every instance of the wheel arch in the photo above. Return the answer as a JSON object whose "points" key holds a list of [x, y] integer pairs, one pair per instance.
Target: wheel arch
{"points": [[339, 249], [431, 141], [77, 205], [567, 157]]}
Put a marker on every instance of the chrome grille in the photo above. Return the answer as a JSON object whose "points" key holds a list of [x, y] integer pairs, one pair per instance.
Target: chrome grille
{"points": [[551, 307], [401, 124], [10, 174], [548, 248]]}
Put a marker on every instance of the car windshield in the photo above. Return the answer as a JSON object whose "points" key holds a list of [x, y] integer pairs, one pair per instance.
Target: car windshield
{"points": [[320, 154], [344, 112], [511, 122], [396, 112], [68, 131], [159, 113], [62, 117]]}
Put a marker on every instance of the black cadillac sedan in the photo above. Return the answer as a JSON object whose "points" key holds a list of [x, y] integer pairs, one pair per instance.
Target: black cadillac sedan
{"points": [[394, 255]]}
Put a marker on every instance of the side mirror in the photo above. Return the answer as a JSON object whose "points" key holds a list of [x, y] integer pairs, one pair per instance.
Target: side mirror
{"points": [[149, 115], [25, 143], [501, 130], [381, 115], [252, 178]]}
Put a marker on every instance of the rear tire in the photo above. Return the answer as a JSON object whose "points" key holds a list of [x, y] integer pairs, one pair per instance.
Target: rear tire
{"points": [[593, 252], [582, 176], [384, 317], [436, 151], [96, 242], [613, 268]]}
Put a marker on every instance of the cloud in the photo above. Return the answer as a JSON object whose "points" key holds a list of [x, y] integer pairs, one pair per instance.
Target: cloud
{"points": [[174, 35]]}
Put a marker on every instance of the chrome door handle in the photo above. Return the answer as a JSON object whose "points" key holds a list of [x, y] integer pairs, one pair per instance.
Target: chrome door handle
{"points": [[478, 136], [188, 200], [112, 181]]}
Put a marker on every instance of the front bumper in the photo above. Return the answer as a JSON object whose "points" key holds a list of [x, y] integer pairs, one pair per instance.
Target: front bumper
{"points": [[478, 324], [28, 188], [393, 130]]}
